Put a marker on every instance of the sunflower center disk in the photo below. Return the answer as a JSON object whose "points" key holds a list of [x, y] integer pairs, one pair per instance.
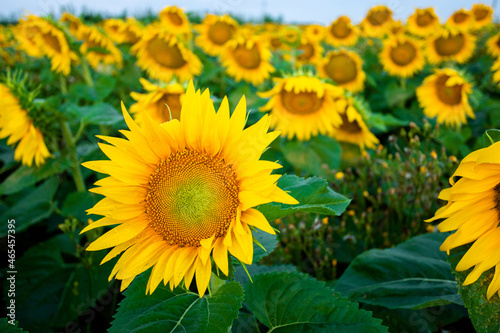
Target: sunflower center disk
{"points": [[191, 196], [166, 55], [480, 14], [220, 32], [247, 58], [378, 17], [449, 46], [424, 19], [341, 69], [403, 54], [340, 30], [52, 41], [459, 17], [448, 95], [175, 18], [301, 103], [169, 104], [497, 198], [307, 52], [349, 126]]}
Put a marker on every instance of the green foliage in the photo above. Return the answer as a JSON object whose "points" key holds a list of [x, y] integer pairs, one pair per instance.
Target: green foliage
{"points": [[178, 310], [294, 302], [5, 327], [491, 136]]}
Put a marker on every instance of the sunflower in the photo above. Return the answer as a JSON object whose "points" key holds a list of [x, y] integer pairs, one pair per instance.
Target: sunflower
{"points": [[397, 28], [377, 22], [302, 106], [121, 31], [495, 68], [184, 190], [493, 45], [462, 20], [160, 103], [402, 56], [450, 44], [473, 210], [247, 58], [314, 32], [341, 32], [345, 68], [423, 22], [163, 55], [98, 48], [310, 51], [16, 124], [75, 25], [353, 128], [175, 21], [215, 32], [24, 33], [445, 95], [483, 15]]}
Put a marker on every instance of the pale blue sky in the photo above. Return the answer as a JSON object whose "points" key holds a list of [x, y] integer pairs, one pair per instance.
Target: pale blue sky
{"points": [[293, 11]]}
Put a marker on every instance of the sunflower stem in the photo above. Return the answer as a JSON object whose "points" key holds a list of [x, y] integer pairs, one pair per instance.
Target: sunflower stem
{"points": [[75, 165], [86, 73], [215, 283], [64, 86]]}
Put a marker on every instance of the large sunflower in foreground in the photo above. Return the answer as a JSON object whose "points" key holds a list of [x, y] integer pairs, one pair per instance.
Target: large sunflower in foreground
{"points": [[423, 22], [450, 44], [473, 210], [302, 106], [377, 22], [483, 15], [183, 193], [345, 68], [16, 124], [163, 55], [99, 49], [445, 95], [461, 20], [247, 58], [341, 32], [493, 45], [401, 56], [215, 32], [175, 21], [160, 103]]}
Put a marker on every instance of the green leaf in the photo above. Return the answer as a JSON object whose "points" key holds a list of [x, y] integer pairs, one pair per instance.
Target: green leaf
{"points": [[295, 302], [34, 207], [178, 310], [491, 136], [313, 194], [82, 92], [268, 241], [104, 86], [241, 276], [412, 275], [6, 327], [97, 114], [77, 203], [382, 122], [484, 313], [245, 323], [396, 95], [316, 156]]}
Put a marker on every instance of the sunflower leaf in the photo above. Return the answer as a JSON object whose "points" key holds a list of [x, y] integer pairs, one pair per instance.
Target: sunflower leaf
{"points": [[313, 194], [178, 310], [295, 302]]}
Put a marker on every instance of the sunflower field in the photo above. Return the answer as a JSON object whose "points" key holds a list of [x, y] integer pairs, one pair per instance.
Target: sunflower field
{"points": [[180, 173]]}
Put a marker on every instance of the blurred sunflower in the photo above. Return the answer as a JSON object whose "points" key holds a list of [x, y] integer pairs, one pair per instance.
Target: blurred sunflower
{"points": [[98, 48], [450, 44], [445, 95], [5, 42], [493, 45], [24, 33], [163, 55], [377, 22], [473, 210], [182, 193], [397, 28], [401, 56], [121, 31], [495, 68], [353, 128], [310, 51], [175, 21], [75, 25], [341, 32], [483, 15], [159, 103], [345, 68], [16, 124], [215, 31], [314, 32], [462, 20], [423, 22], [302, 106], [247, 58]]}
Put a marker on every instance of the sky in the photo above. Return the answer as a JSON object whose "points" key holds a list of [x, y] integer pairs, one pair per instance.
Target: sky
{"points": [[291, 11]]}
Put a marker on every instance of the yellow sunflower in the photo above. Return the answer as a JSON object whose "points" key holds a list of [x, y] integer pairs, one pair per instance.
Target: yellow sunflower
{"points": [[99, 48], [450, 44], [24, 33], [314, 32], [163, 55], [302, 106], [402, 56], [247, 58], [121, 31], [75, 25], [16, 124], [353, 128], [183, 192], [397, 28], [310, 51], [483, 15], [445, 95], [493, 45], [215, 32], [341, 32], [345, 68], [160, 103], [473, 211], [175, 21], [423, 22], [495, 68], [377, 22], [462, 20]]}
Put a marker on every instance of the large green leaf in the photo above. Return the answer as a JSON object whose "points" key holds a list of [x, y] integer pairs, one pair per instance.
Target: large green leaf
{"points": [[484, 313], [412, 275], [97, 114], [295, 302], [313, 194], [178, 310]]}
